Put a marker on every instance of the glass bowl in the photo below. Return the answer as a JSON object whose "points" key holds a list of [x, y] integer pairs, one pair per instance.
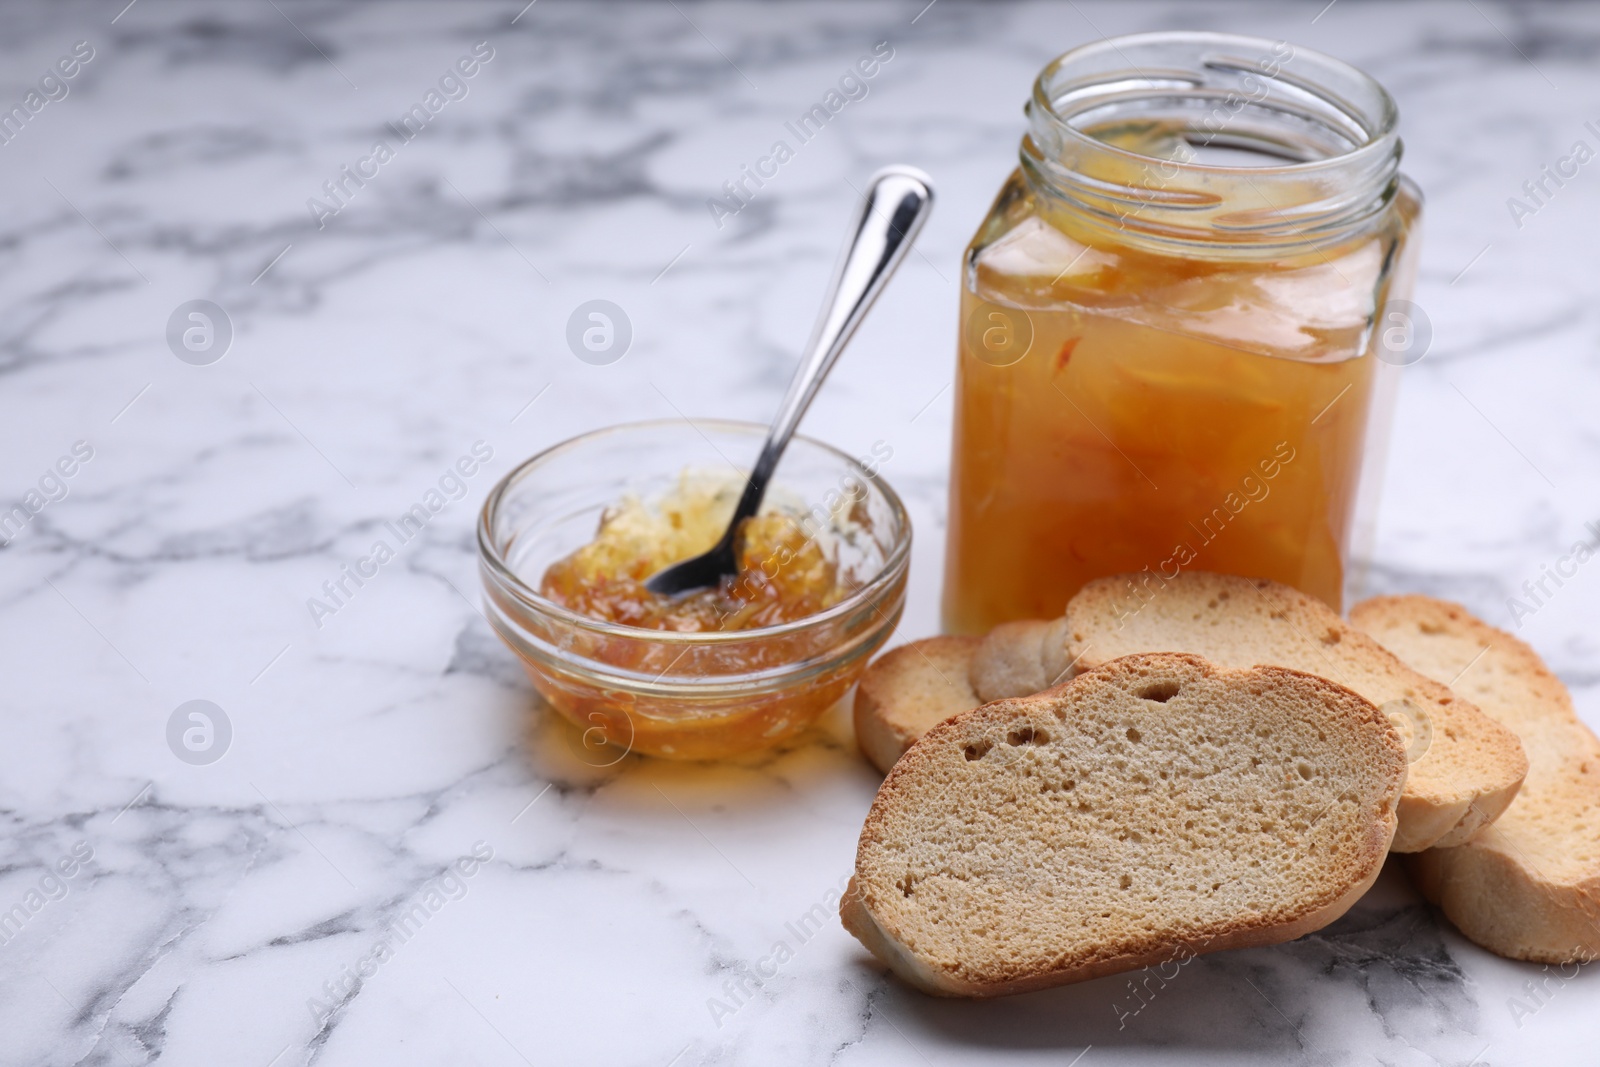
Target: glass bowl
{"points": [[689, 695]]}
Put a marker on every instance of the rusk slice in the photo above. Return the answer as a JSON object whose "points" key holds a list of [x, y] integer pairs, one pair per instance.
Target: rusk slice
{"points": [[907, 690], [1467, 766], [1155, 808], [1018, 658], [1528, 887]]}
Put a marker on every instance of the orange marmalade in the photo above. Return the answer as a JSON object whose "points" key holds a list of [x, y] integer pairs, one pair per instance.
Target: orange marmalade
{"points": [[784, 574], [1158, 368], [787, 573]]}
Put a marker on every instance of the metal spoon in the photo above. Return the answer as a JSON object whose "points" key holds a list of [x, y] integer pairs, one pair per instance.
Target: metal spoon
{"points": [[887, 221]]}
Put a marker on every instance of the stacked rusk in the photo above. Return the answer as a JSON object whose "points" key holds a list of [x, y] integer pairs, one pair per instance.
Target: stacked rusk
{"points": [[1208, 762]]}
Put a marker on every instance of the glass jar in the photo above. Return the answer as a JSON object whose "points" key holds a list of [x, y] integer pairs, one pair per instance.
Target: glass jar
{"points": [[690, 694], [1170, 344]]}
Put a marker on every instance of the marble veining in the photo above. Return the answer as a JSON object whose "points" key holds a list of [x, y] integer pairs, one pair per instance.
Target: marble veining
{"points": [[400, 858]]}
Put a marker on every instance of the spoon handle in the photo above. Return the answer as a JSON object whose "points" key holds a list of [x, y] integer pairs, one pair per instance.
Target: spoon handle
{"points": [[886, 223]]}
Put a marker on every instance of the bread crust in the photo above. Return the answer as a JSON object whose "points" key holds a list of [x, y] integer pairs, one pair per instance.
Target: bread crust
{"points": [[1465, 779], [860, 922], [1492, 887], [879, 933], [1019, 658], [906, 690]]}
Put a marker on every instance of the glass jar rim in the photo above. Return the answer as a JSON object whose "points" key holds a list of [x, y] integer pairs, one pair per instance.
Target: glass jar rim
{"points": [[1379, 136], [1334, 126], [494, 561]]}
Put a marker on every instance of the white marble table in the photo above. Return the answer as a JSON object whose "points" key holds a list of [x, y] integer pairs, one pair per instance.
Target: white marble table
{"points": [[399, 860]]}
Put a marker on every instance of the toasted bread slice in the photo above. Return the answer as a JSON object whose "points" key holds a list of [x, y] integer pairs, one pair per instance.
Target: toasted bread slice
{"points": [[907, 690], [1018, 658], [1527, 887], [1156, 807], [1466, 767]]}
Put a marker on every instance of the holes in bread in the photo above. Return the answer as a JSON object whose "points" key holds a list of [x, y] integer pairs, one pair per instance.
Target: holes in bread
{"points": [[1125, 882], [977, 749], [1305, 771], [1160, 691], [1134, 735], [1027, 735], [1332, 637]]}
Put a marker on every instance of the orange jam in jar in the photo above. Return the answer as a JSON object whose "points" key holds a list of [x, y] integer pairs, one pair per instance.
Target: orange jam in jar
{"points": [[1172, 351]]}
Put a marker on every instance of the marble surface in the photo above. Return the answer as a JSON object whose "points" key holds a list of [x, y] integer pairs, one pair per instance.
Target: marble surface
{"points": [[398, 858]]}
